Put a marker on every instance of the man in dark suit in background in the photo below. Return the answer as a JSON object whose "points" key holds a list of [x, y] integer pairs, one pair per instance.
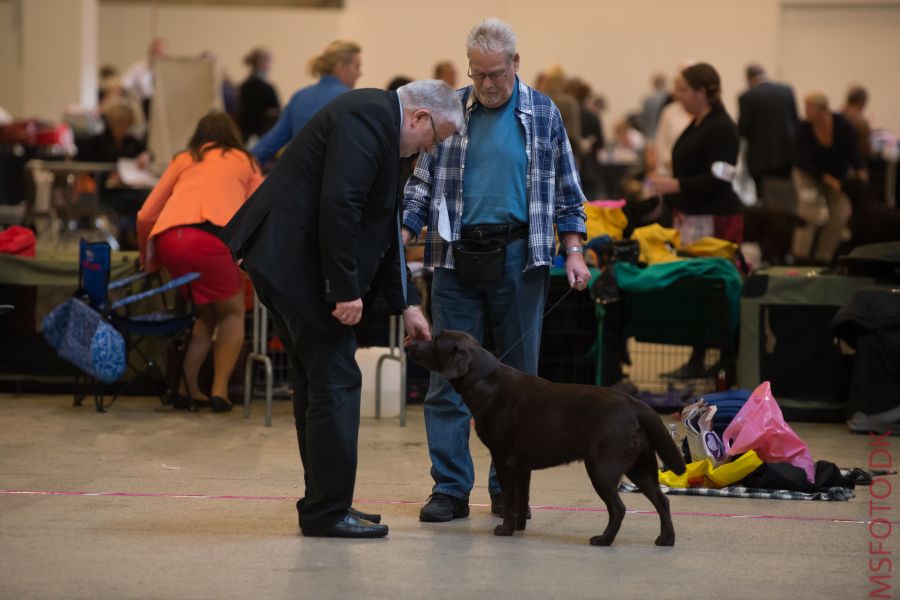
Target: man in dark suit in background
{"points": [[768, 121], [321, 233]]}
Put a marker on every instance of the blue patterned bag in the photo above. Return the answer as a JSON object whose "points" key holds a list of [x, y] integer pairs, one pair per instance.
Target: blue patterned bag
{"points": [[80, 335]]}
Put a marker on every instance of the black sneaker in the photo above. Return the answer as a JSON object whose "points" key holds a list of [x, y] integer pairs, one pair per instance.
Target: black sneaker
{"points": [[441, 508], [497, 506]]}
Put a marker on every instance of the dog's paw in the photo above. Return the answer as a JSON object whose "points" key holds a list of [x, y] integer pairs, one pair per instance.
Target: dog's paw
{"points": [[665, 540], [502, 530], [520, 523], [601, 540]]}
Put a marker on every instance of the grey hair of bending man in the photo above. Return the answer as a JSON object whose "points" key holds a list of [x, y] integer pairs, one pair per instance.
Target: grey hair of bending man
{"points": [[490, 36], [436, 97]]}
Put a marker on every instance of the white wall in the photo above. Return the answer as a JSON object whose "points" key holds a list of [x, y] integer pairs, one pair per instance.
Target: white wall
{"points": [[614, 44], [293, 35], [11, 96], [827, 47]]}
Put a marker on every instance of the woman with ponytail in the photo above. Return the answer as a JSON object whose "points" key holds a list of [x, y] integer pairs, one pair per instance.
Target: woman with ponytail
{"points": [[704, 159], [703, 162]]}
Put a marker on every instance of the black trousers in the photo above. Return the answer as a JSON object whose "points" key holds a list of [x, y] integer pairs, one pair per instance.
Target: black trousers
{"points": [[326, 409]]}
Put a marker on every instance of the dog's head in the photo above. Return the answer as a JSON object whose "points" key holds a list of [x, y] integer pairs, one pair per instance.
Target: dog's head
{"points": [[449, 353]]}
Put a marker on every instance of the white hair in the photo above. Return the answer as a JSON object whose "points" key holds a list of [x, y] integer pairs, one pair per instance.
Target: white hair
{"points": [[492, 35], [436, 97]]}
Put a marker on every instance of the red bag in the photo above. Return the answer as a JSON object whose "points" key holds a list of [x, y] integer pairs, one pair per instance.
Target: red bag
{"points": [[17, 240]]}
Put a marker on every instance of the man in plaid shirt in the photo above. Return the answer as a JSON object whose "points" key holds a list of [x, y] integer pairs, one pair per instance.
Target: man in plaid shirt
{"points": [[507, 179]]}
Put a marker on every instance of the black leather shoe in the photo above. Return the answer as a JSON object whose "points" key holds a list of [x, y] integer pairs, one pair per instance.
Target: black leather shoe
{"points": [[441, 508], [358, 514], [497, 506], [350, 527], [371, 517]]}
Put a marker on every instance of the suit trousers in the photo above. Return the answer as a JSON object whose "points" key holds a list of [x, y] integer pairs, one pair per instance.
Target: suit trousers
{"points": [[326, 409]]}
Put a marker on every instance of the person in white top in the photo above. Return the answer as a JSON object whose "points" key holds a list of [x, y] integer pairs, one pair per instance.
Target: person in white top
{"points": [[673, 120], [139, 76]]}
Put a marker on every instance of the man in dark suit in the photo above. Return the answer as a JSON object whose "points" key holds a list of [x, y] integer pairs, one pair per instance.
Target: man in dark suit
{"points": [[320, 234], [768, 121]]}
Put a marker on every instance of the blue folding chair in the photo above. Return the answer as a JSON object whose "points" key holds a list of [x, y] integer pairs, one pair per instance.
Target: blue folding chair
{"points": [[95, 288]]}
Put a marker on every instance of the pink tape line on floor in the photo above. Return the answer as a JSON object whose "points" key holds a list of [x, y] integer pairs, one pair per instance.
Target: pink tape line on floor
{"points": [[405, 502]]}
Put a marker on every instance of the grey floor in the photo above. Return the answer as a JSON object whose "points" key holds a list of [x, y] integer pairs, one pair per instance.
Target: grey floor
{"points": [[144, 502]]}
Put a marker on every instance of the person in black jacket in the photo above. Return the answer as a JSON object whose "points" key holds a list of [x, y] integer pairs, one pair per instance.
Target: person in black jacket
{"points": [[701, 195], [703, 163], [828, 159], [768, 121], [258, 104], [591, 137], [321, 233]]}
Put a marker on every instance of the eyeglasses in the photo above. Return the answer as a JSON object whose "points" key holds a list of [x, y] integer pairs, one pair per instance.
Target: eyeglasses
{"points": [[496, 76]]}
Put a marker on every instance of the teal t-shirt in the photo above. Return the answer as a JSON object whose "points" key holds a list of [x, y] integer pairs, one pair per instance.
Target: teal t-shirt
{"points": [[496, 165]]}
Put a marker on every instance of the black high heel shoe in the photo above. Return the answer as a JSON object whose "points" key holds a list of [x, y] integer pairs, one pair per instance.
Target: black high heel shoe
{"points": [[180, 402], [219, 404]]}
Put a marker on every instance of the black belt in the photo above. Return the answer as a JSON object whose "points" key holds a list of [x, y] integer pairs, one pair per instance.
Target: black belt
{"points": [[513, 231]]}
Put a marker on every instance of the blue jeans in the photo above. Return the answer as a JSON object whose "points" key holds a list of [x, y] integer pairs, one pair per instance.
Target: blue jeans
{"points": [[514, 307]]}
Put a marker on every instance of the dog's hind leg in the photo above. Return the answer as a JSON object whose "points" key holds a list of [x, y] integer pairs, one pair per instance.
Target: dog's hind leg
{"points": [[523, 484], [508, 482], [605, 477], [644, 475]]}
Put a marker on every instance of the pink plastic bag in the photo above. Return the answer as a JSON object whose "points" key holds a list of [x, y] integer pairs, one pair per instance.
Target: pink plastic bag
{"points": [[760, 426]]}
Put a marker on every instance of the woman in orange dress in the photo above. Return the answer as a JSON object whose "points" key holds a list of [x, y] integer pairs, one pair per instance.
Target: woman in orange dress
{"points": [[178, 224]]}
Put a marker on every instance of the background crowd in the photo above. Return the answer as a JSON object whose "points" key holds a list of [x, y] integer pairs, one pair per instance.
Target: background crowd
{"points": [[809, 163]]}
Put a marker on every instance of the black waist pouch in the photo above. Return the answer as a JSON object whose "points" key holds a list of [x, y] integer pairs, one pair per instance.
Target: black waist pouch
{"points": [[479, 261]]}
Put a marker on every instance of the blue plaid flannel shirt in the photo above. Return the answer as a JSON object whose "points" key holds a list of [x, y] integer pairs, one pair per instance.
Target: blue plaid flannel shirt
{"points": [[553, 188]]}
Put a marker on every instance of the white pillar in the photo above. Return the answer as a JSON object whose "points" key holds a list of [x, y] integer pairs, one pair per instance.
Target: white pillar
{"points": [[59, 56]]}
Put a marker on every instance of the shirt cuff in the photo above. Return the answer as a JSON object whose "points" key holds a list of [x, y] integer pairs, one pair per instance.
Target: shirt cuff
{"points": [[571, 225], [413, 222]]}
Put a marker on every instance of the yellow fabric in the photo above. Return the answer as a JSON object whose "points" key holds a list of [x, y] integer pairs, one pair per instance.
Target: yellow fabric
{"points": [[658, 243], [702, 473], [712, 247], [604, 221]]}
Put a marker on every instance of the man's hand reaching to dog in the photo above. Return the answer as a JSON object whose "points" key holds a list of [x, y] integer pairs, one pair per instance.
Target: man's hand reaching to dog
{"points": [[417, 329]]}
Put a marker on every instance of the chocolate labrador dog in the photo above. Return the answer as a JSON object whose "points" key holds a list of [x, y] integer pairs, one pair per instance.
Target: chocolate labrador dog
{"points": [[530, 423]]}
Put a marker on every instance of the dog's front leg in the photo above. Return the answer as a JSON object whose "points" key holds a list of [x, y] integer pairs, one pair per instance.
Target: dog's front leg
{"points": [[507, 478]]}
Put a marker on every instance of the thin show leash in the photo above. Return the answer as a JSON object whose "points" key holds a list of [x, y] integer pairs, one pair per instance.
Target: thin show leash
{"points": [[530, 329]]}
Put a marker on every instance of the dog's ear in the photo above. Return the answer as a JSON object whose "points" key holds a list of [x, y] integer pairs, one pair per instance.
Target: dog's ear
{"points": [[458, 363]]}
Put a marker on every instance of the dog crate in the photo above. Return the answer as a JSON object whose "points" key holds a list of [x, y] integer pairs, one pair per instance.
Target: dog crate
{"points": [[648, 336], [665, 326], [786, 339]]}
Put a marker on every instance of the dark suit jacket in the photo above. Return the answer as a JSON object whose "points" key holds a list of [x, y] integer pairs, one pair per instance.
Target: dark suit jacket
{"points": [[768, 121], [322, 227]]}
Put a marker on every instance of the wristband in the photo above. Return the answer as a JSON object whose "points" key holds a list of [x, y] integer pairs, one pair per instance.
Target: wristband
{"points": [[574, 250]]}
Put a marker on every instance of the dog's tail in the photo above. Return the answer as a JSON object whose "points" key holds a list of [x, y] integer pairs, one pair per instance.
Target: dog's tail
{"points": [[661, 439]]}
